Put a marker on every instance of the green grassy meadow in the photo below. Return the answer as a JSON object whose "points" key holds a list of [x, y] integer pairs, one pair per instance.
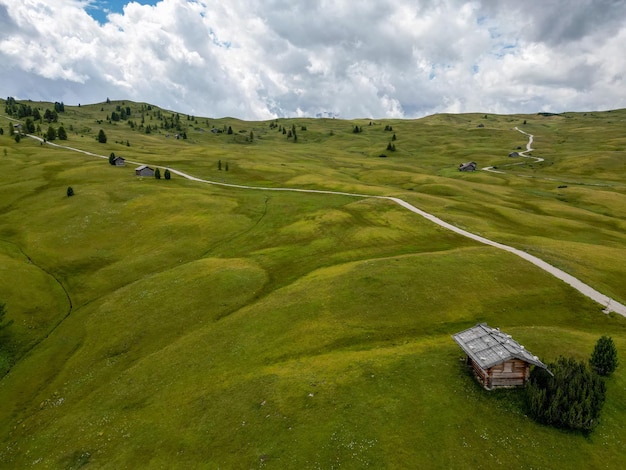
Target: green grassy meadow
{"points": [[177, 324]]}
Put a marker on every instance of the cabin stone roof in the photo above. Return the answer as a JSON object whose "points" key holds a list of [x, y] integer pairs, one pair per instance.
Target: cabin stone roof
{"points": [[488, 347], [468, 166]]}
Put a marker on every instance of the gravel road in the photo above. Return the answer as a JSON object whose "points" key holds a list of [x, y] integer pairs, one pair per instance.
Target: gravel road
{"points": [[609, 304]]}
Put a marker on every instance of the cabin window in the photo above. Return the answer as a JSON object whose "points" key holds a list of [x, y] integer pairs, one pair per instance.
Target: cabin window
{"points": [[508, 367]]}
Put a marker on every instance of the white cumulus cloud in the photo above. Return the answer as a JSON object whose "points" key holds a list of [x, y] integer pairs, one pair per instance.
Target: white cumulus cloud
{"points": [[383, 58]]}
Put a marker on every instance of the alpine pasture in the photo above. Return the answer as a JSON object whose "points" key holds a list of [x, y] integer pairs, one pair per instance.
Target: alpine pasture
{"points": [[177, 324]]}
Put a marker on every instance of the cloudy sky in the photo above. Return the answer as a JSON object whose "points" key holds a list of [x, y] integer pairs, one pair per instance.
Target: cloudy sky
{"points": [[257, 59]]}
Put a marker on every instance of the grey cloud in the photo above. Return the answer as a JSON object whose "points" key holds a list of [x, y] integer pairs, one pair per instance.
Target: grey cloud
{"points": [[560, 22], [7, 25]]}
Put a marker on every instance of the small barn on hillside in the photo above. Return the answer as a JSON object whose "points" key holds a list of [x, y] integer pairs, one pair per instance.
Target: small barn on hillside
{"points": [[469, 166], [496, 358], [119, 161], [144, 170]]}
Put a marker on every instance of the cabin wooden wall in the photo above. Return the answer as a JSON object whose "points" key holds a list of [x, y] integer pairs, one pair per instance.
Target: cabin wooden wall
{"points": [[513, 373]]}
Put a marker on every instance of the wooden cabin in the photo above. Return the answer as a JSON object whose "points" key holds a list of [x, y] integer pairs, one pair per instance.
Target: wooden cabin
{"points": [[469, 166], [495, 357], [144, 170], [119, 161]]}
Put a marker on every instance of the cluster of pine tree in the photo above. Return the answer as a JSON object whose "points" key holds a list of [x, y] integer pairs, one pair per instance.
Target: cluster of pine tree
{"points": [[20, 111], [572, 394]]}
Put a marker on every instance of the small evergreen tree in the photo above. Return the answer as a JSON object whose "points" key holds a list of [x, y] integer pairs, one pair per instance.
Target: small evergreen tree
{"points": [[61, 133], [219, 165], [572, 397], [17, 138], [230, 130], [51, 134], [102, 138], [167, 174], [604, 356], [157, 174], [226, 167], [70, 191], [112, 159]]}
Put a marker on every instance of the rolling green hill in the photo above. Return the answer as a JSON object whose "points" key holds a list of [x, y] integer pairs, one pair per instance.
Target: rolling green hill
{"points": [[178, 324]]}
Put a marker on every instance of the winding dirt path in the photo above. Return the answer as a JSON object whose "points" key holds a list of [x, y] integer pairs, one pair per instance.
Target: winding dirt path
{"points": [[609, 304], [521, 154]]}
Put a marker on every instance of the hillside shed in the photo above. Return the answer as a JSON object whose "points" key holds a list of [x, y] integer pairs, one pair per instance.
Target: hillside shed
{"points": [[144, 170], [469, 166], [514, 154], [496, 358], [119, 161]]}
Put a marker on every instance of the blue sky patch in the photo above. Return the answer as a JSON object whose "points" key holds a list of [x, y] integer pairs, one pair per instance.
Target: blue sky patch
{"points": [[99, 9]]}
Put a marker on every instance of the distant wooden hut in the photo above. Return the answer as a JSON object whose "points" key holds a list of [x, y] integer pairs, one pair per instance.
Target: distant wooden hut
{"points": [[469, 166], [119, 161], [514, 154], [496, 359], [144, 170]]}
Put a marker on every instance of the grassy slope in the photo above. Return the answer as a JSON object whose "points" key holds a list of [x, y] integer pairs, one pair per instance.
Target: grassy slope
{"points": [[234, 328]]}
